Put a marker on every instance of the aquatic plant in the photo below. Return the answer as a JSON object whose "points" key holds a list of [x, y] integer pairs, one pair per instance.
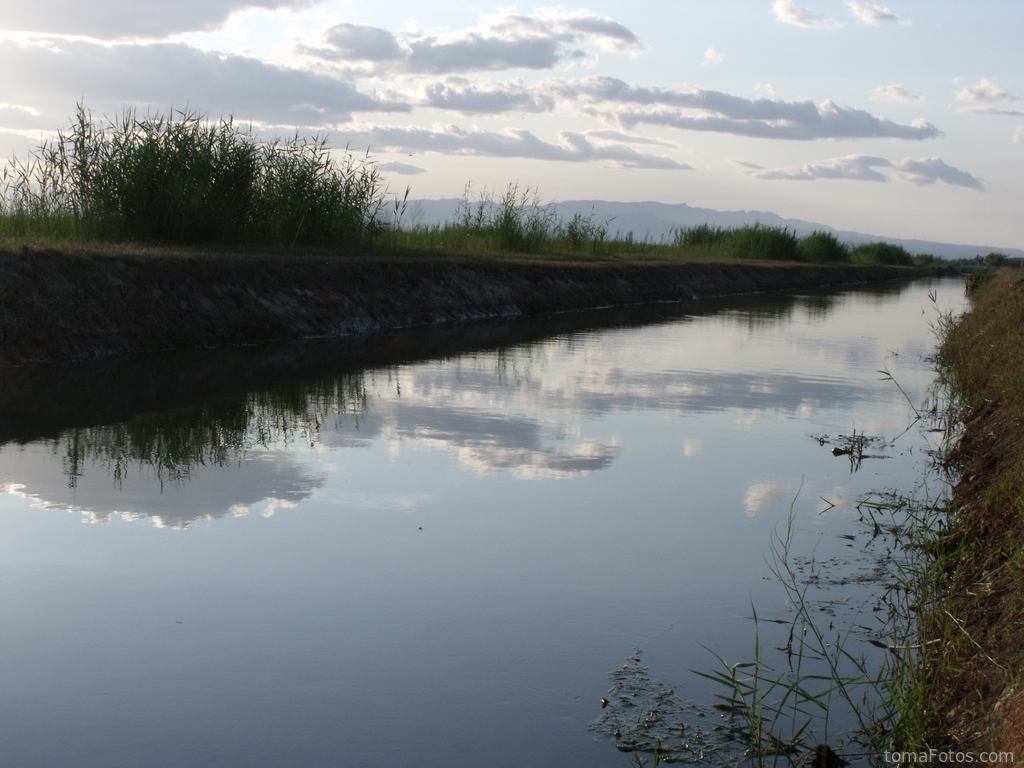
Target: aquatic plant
{"points": [[900, 700]]}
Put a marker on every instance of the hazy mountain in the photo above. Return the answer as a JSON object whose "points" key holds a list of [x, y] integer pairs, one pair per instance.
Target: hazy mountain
{"points": [[656, 221]]}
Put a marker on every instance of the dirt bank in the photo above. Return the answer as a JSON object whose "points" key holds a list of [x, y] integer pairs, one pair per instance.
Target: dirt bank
{"points": [[976, 676], [60, 306]]}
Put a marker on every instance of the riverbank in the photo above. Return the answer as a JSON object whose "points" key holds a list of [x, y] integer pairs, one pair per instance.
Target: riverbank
{"points": [[93, 303], [975, 677]]}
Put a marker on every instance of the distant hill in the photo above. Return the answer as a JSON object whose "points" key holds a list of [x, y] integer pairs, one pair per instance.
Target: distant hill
{"points": [[656, 221]]}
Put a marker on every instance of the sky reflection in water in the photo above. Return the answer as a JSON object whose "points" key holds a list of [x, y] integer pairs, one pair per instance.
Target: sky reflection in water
{"points": [[426, 563]]}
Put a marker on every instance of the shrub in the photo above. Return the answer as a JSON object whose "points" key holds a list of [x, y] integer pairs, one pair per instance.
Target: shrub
{"points": [[882, 253], [762, 242], [822, 246], [701, 236]]}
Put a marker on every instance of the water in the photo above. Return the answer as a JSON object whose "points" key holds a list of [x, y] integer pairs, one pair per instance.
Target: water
{"points": [[429, 548]]}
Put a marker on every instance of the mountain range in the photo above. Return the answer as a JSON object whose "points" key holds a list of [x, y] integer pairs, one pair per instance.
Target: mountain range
{"points": [[656, 221]]}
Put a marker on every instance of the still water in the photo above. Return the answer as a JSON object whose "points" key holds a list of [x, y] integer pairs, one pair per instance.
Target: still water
{"points": [[429, 548]]}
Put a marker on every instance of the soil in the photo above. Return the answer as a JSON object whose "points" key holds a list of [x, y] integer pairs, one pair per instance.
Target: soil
{"points": [[977, 679], [74, 306]]}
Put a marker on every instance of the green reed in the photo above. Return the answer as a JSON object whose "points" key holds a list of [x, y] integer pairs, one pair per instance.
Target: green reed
{"points": [[183, 178]]}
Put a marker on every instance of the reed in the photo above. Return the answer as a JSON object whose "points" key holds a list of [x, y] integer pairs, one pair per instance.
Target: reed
{"points": [[939, 639], [185, 179]]}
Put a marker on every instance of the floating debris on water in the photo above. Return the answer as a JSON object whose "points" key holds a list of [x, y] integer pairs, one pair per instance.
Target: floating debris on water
{"points": [[642, 714], [855, 446]]}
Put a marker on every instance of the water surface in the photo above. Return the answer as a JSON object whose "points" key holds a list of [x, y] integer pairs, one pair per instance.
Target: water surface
{"points": [[429, 548]]}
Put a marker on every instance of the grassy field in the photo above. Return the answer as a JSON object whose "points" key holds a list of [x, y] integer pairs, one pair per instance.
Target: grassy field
{"points": [[183, 180]]}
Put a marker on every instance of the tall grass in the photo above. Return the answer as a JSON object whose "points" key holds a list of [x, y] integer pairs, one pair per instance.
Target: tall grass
{"points": [[514, 222], [882, 253], [755, 241], [183, 178]]}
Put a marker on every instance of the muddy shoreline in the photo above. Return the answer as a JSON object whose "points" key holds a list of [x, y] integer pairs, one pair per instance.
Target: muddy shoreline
{"points": [[66, 307]]}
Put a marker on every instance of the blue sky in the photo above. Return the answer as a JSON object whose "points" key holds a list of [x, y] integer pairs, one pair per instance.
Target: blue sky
{"points": [[903, 119]]}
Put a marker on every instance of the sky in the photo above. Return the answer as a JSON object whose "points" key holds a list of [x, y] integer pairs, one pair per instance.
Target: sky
{"points": [[902, 120]]}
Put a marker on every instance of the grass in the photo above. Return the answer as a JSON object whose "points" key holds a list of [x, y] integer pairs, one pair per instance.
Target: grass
{"points": [[824, 703], [977, 681], [174, 445], [953, 674], [184, 179], [934, 630]]}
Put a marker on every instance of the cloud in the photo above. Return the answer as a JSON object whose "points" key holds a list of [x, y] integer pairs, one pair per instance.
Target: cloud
{"points": [[360, 42], [761, 495], [175, 74], [872, 14], [855, 167], [700, 110], [923, 172], [460, 95], [895, 93], [712, 58], [401, 168], [994, 111], [985, 92], [930, 170], [1018, 135], [245, 482], [512, 142], [113, 19], [501, 41], [790, 13], [627, 138]]}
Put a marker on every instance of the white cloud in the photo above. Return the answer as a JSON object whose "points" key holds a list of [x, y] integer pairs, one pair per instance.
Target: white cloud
{"points": [[405, 169], [1018, 135], [113, 19], [922, 172], [856, 167], [627, 138], [790, 13], [501, 41], [870, 13], [930, 170], [19, 108], [488, 97], [175, 74], [895, 93], [994, 111], [760, 495], [712, 58], [361, 42], [985, 92], [511, 142], [701, 110]]}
